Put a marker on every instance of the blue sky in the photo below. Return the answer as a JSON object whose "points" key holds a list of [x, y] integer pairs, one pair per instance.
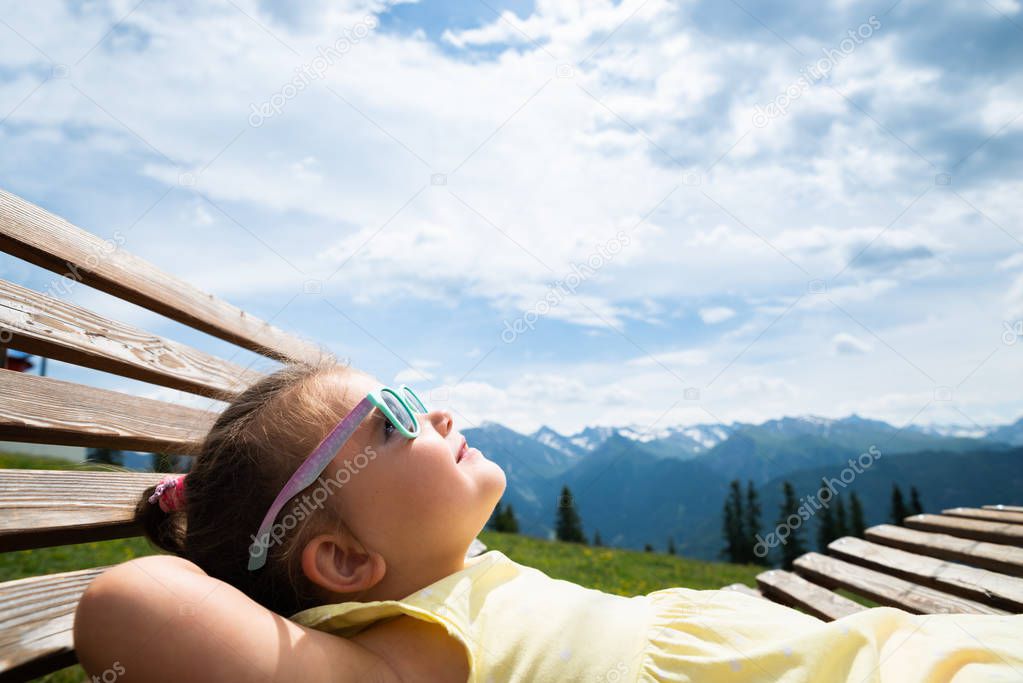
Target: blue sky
{"points": [[707, 211]]}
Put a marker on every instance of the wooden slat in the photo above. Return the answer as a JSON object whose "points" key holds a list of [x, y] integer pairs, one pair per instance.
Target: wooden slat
{"points": [[1007, 508], [994, 532], [40, 508], [795, 591], [981, 585], [45, 326], [42, 238], [742, 588], [44, 410], [36, 622], [1004, 516], [885, 589], [999, 558]]}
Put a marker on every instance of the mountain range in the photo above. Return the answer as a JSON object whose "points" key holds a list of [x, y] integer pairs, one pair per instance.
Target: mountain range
{"points": [[638, 486]]}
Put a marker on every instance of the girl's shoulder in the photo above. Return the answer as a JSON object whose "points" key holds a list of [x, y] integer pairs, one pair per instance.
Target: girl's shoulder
{"points": [[416, 650]]}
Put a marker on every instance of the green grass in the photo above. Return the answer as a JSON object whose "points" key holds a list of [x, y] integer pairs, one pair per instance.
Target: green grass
{"points": [[613, 570], [67, 558], [18, 461]]}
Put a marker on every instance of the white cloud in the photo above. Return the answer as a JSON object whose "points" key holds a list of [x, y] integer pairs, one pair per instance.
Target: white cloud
{"points": [[419, 372], [715, 314], [538, 171], [684, 357]]}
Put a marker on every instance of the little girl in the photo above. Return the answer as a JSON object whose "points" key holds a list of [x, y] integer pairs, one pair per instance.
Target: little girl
{"points": [[350, 509]]}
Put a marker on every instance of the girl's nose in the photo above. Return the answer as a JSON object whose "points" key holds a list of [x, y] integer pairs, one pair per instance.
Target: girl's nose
{"points": [[441, 420]]}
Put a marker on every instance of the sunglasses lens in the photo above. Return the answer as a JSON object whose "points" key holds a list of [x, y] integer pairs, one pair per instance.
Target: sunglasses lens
{"points": [[401, 413], [414, 401]]}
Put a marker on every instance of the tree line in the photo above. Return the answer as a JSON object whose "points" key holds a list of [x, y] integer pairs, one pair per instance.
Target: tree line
{"points": [[836, 514], [746, 543]]}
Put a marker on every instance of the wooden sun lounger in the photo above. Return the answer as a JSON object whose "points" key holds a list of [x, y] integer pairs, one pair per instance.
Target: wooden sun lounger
{"points": [[953, 567]]}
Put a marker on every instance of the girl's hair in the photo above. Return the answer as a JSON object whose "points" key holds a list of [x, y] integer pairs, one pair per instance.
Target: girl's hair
{"points": [[254, 446]]}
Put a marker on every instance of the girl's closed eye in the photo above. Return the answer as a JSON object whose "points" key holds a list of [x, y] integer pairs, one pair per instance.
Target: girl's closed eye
{"points": [[389, 429]]}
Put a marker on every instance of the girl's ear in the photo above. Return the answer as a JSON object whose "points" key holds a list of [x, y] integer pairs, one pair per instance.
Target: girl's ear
{"points": [[339, 565]]}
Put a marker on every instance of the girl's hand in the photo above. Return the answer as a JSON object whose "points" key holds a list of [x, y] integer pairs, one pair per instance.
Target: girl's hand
{"points": [[162, 618]]}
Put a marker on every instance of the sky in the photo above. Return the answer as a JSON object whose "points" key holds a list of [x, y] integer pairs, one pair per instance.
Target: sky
{"points": [[565, 214]]}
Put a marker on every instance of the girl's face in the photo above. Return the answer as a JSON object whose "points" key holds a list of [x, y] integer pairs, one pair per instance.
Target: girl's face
{"points": [[411, 497]]}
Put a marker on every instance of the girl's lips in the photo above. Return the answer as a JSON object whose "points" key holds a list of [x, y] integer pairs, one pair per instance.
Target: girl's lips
{"points": [[465, 452]]}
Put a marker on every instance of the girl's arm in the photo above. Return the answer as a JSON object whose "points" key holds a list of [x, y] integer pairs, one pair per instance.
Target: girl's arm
{"points": [[162, 618]]}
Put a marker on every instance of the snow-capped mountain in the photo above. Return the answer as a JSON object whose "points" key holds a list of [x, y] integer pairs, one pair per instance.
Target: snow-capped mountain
{"points": [[686, 441], [1011, 434], [633, 483], [592, 437], [854, 432], [563, 444]]}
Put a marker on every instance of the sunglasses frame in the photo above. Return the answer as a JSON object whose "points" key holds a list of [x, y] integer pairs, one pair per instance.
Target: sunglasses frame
{"points": [[327, 450]]}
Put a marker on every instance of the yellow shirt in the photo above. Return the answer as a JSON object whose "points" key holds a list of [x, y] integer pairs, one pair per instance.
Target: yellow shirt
{"points": [[518, 624]]}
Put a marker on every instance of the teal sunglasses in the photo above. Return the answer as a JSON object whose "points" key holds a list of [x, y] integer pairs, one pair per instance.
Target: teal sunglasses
{"points": [[401, 409]]}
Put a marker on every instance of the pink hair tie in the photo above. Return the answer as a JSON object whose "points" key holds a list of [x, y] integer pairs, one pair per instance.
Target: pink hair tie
{"points": [[170, 493]]}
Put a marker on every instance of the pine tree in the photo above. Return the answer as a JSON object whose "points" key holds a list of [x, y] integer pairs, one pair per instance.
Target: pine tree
{"points": [[857, 526], [569, 526], [732, 523], [841, 526], [898, 510], [597, 540], [793, 546], [494, 523], [510, 524], [825, 526], [751, 526], [671, 545], [106, 456], [915, 506]]}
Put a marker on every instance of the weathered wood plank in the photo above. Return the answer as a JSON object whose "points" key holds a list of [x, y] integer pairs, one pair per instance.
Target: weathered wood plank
{"points": [[1007, 508], [994, 532], [40, 508], [49, 327], [999, 558], [42, 238], [793, 590], [1005, 516], [981, 585], [742, 588], [44, 410], [885, 589], [36, 622]]}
